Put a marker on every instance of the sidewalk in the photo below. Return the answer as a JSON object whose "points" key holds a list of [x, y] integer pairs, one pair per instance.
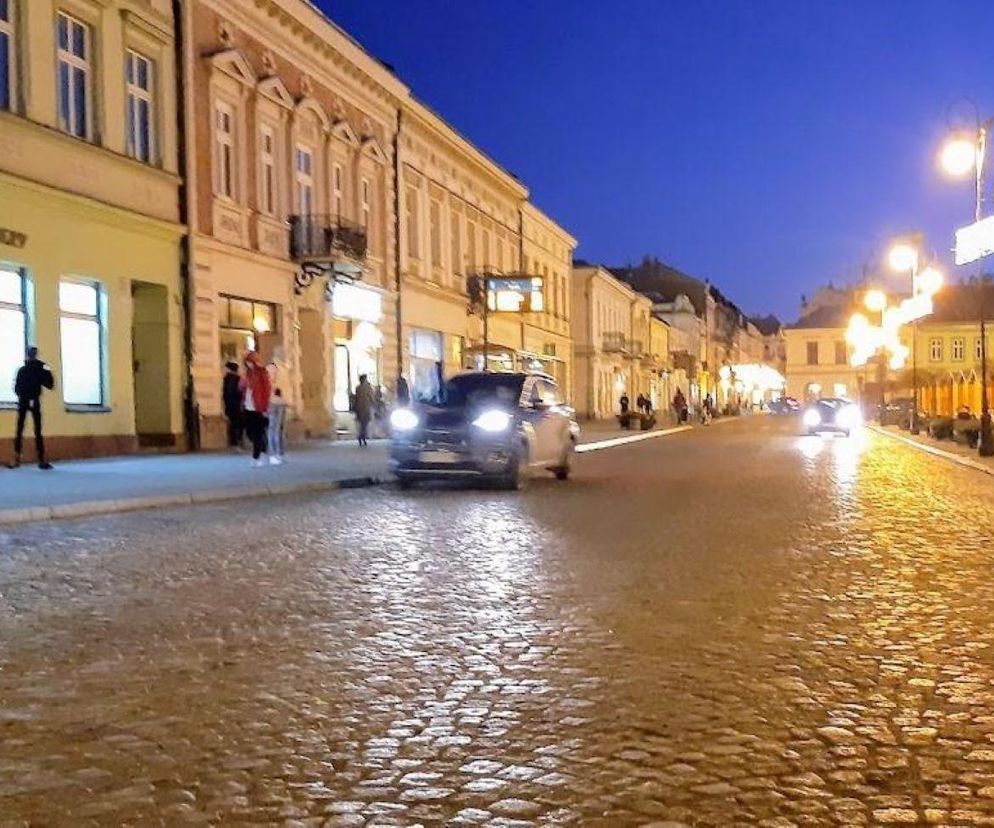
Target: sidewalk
{"points": [[83, 487], [947, 449]]}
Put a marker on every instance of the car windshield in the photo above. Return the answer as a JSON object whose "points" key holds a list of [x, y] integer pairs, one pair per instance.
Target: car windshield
{"points": [[472, 389]]}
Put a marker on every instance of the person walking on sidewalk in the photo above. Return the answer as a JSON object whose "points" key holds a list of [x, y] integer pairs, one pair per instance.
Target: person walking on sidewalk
{"points": [[32, 378], [277, 428], [231, 393], [365, 405], [680, 406], [256, 388]]}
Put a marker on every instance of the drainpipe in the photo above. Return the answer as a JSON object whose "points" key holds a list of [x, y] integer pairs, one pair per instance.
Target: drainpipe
{"points": [[396, 243], [191, 411]]}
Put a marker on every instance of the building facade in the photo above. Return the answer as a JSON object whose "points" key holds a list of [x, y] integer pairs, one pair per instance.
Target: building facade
{"points": [[90, 252], [611, 342], [290, 127]]}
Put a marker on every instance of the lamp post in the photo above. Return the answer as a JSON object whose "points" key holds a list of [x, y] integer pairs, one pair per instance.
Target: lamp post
{"points": [[904, 257], [961, 155]]}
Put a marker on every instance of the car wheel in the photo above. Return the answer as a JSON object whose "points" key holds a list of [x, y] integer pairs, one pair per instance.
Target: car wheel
{"points": [[563, 470], [516, 477], [405, 483]]}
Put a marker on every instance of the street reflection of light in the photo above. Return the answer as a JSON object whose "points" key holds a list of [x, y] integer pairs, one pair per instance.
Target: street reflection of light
{"points": [[811, 446]]}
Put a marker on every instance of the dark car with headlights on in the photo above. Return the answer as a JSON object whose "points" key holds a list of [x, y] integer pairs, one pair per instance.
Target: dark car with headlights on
{"points": [[832, 414], [493, 426]]}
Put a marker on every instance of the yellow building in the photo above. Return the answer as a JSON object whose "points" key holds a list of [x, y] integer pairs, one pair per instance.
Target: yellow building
{"points": [[291, 131], [611, 326], [817, 363], [547, 344], [89, 221]]}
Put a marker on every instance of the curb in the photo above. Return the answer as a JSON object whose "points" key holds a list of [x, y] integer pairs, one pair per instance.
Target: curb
{"points": [[958, 459], [86, 508]]}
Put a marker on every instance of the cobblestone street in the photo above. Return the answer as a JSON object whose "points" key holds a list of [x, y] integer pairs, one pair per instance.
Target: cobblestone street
{"points": [[733, 625]]}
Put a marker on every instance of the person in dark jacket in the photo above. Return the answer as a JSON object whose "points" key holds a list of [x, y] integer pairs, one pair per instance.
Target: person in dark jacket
{"points": [[32, 378], [231, 393], [365, 404]]}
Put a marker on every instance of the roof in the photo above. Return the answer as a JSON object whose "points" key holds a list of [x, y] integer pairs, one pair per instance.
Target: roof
{"points": [[663, 283], [963, 303], [827, 316], [767, 325]]}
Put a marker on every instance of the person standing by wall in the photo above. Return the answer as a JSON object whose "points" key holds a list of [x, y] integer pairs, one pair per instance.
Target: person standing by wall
{"points": [[277, 428], [231, 394], [31, 379], [256, 388], [365, 405]]}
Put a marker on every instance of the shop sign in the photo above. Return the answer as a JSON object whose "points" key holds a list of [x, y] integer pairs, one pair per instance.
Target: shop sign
{"points": [[975, 241], [13, 238], [354, 302]]}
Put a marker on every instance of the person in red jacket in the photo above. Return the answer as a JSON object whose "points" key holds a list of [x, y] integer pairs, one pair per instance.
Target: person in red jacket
{"points": [[256, 391]]}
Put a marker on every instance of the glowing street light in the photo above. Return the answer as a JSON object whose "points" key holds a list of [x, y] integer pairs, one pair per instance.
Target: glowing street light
{"points": [[875, 300], [903, 257], [959, 156], [930, 281]]}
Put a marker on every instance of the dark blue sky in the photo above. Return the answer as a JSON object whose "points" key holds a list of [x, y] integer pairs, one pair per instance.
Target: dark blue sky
{"points": [[768, 145]]}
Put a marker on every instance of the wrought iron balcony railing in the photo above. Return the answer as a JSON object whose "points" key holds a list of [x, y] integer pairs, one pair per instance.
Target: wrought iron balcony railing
{"points": [[614, 342], [319, 238]]}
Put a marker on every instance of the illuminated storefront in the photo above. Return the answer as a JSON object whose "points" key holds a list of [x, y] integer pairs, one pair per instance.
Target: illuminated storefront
{"points": [[246, 325], [357, 312]]}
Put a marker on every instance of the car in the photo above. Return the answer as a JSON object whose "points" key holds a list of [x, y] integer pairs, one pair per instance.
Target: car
{"points": [[898, 412], [832, 414], [497, 427], [784, 405]]}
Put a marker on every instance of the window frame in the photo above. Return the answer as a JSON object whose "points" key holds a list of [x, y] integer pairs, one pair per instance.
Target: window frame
{"points": [[337, 190], [412, 205], [100, 317], [8, 28], [24, 308], [268, 191], [132, 91], [813, 344], [961, 342], [225, 149], [304, 180], [841, 350], [936, 347], [978, 347], [74, 62]]}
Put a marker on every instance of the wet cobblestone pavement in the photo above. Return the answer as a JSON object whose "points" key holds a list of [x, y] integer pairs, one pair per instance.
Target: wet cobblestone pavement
{"points": [[733, 626]]}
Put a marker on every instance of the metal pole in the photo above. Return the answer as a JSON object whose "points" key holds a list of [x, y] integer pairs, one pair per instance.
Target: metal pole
{"points": [[986, 443], [913, 425], [486, 322]]}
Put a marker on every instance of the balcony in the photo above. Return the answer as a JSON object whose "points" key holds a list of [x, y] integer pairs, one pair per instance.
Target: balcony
{"points": [[323, 238], [614, 342]]}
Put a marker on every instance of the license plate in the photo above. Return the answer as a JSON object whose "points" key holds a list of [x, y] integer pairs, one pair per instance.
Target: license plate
{"points": [[438, 457]]}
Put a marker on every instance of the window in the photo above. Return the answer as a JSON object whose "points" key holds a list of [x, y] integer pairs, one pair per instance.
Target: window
{"points": [[224, 150], [978, 348], [241, 321], [500, 255], [74, 65], [13, 329], [958, 349], [471, 245], [138, 77], [6, 54], [840, 353], [435, 232], [304, 165], [485, 245], [455, 244], [812, 353], [267, 170], [81, 335], [366, 205], [935, 350], [411, 208], [336, 190]]}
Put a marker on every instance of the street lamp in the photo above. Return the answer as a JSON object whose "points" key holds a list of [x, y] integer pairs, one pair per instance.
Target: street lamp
{"points": [[962, 154], [903, 257], [875, 300]]}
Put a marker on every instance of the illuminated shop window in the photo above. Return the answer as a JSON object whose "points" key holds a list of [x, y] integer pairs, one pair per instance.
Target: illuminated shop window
{"points": [[81, 333]]}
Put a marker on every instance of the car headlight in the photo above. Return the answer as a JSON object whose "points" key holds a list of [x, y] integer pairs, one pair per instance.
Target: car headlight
{"points": [[493, 420], [812, 418], [850, 417], [403, 419]]}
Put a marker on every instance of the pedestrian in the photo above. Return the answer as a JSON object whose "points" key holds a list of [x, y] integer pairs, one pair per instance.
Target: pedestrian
{"points": [[624, 403], [256, 391], [680, 406], [231, 394], [365, 404], [276, 436], [640, 403], [403, 391], [32, 377]]}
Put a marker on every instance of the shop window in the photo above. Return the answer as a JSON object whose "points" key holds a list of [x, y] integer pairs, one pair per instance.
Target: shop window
{"points": [[13, 329], [140, 111], [74, 78], [242, 322], [7, 61], [426, 353], [81, 333], [812, 353]]}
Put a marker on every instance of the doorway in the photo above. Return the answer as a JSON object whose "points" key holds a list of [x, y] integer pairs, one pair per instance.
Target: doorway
{"points": [[150, 360]]}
